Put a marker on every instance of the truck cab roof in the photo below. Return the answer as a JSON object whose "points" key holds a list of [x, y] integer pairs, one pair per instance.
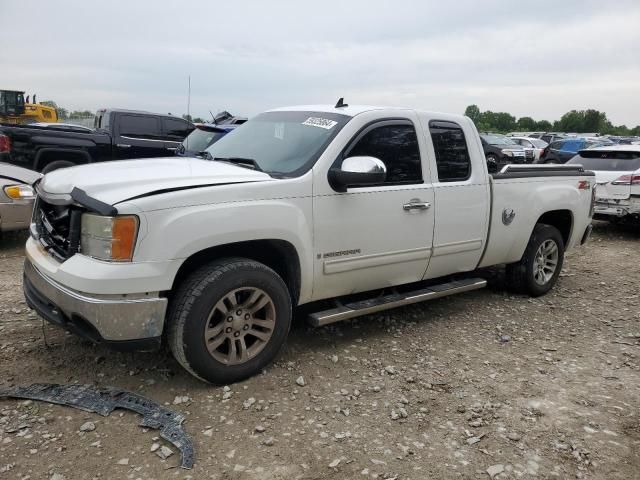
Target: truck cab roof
{"points": [[139, 112], [353, 110]]}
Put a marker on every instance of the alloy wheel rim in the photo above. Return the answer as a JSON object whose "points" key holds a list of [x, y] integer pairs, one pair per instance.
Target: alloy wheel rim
{"points": [[545, 262], [240, 325]]}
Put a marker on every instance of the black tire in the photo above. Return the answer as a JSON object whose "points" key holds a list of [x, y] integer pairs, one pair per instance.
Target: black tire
{"points": [[56, 165], [492, 163], [551, 161], [196, 299], [521, 276]]}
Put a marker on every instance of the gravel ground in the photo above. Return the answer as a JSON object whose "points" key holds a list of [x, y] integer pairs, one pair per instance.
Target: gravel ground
{"points": [[479, 385]]}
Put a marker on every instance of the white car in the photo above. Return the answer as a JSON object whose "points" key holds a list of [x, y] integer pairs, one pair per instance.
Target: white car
{"points": [[299, 204], [535, 145], [617, 170]]}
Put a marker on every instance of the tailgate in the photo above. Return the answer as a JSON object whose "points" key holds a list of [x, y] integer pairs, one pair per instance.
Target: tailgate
{"points": [[607, 188]]}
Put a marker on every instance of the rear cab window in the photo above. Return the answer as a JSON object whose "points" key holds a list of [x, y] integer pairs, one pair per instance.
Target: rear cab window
{"points": [[452, 154], [176, 129]]}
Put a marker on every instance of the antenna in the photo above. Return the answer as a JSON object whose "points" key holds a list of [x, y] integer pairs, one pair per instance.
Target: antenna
{"points": [[188, 109], [341, 103], [189, 99]]}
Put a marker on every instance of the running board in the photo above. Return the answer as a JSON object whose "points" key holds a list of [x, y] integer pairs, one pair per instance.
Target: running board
{"points": [[377, 304]]}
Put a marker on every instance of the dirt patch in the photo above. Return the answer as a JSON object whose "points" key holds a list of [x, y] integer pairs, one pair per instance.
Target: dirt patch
{"points": [[545, 387]]}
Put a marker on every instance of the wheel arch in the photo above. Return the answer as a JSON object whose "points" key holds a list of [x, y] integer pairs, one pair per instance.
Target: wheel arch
{"points": [[560, 219], [279, 255], [48, 155]]}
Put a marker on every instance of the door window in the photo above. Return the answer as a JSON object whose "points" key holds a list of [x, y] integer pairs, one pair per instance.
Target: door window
{"points": [[396, 146], [139, 126], [176, 129], [452, 154]]}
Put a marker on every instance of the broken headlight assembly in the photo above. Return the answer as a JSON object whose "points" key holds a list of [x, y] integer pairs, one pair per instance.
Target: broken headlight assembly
{"points": [[108, 238]]}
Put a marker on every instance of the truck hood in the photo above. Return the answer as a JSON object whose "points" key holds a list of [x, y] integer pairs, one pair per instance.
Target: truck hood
{"points": [[113, 182]]}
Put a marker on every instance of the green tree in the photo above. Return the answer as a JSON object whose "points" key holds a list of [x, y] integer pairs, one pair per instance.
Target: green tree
{"points": [[198, 120], [543, 126], [526, 124], [473, 112], [578, 121], [187, 117]]}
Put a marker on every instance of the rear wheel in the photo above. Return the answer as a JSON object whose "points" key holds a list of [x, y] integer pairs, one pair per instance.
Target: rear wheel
{"points": [[537, 271], [229, 319], [56, 165]]}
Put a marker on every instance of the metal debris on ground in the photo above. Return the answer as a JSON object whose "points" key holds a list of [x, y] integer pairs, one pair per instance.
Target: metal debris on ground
{"points": [[104, 401]]}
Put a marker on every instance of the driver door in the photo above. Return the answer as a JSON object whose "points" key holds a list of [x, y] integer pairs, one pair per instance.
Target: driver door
{"points": [[376, 236]]}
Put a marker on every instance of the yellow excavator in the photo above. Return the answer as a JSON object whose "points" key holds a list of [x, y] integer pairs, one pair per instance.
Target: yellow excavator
{"points": [[16, 111]]}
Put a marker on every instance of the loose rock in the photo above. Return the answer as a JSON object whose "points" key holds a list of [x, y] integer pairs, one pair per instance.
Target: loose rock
{"points": [[494, 470], [88, 427]]}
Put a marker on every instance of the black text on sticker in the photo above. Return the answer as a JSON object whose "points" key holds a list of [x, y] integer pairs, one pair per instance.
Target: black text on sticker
{"points": [[320, 122]]}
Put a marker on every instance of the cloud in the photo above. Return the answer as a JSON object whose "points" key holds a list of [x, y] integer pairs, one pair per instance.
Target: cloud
{"points": [[541, 59]]}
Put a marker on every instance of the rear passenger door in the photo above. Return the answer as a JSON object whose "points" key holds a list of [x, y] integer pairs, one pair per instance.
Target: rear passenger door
{"points": [[376, 236], [139, 136], [175, 130], [462, 198]]}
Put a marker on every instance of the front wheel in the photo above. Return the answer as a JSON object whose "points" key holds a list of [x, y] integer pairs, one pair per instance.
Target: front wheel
{"points": [[537, 271], [229, 319]]}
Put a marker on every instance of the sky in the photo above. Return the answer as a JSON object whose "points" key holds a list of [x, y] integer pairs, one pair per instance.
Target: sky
{"points": [[534, 58]]}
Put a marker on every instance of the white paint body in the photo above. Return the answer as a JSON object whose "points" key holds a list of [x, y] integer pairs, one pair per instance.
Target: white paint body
{"points": [[461, 231]]}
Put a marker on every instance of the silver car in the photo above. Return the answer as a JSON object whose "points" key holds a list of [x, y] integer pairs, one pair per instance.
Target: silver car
{"points": [[16, 197]]}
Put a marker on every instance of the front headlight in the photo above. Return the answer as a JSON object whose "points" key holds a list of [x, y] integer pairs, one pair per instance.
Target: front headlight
{"points": [[508, 153], [20, 192], [108, 238]]}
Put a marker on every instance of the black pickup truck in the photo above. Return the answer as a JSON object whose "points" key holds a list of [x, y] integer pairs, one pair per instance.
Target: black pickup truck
{"points": [[117, 135]]}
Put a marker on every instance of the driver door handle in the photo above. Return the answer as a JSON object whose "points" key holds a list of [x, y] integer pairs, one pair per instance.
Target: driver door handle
{"points": [[416, 204]]}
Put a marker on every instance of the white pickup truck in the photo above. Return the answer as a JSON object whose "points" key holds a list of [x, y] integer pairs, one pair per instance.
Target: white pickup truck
{"points": [[370, 207]]}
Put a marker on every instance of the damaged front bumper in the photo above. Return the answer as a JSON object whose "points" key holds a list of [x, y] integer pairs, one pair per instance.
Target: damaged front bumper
{"points": [[125, 322], [104, 401]]}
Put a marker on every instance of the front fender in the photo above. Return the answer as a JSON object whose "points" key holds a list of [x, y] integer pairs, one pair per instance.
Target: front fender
{"points": [[179, 233]]}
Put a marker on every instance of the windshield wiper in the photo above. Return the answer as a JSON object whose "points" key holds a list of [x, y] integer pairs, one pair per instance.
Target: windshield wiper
{"points": [[240, 161]]}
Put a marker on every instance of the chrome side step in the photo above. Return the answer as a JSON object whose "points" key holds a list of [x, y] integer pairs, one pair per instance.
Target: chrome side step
{"points": [[394, 300]]}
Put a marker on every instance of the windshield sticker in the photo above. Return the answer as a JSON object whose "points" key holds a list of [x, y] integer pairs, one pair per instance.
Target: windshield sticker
{"points": [[320, 122]]}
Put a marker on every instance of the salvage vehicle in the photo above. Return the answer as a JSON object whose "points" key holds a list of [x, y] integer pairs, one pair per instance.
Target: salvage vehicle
{"points": [[16, 197], [617, 170], [501, 150], [364, 208], [118, 135]]}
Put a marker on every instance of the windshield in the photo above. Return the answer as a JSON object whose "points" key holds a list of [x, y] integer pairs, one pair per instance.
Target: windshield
{"points": [[498, 140], [281, 143], [199, 139], [608, 161]]}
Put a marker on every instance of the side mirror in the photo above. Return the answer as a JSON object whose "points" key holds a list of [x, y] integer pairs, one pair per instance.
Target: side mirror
{"points": [[357, 172]]}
